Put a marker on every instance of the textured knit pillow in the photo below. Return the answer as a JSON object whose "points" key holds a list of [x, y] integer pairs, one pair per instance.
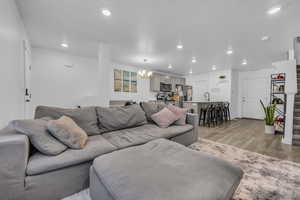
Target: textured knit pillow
{"points": [[39, 136], [68, 132], [180, 112], [164, 118]]}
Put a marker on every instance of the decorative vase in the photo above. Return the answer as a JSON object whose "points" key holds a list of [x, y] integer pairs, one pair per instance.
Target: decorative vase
{"points": [[269, 129]]}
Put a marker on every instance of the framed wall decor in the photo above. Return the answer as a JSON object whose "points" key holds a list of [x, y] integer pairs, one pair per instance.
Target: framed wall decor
{"points": [[125, 81], [118, 80], [133, 82]]}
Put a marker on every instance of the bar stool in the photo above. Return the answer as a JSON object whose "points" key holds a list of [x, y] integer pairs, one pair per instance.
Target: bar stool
{"points": [[227, 111], [203, 114], [210, 115]]}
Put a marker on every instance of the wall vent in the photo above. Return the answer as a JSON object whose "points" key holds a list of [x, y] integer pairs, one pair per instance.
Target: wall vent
{"points": [[68, 66]]}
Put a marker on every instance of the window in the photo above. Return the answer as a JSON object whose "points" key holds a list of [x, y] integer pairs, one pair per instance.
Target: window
{"points": [[133, 87], [118, 80], [125, 81]]}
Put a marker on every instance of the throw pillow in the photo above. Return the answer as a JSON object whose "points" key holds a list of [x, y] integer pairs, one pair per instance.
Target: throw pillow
{"points": [[164, 118], [180, 112], [151, 108], [40, 138], [85, 117], [68, 132]]}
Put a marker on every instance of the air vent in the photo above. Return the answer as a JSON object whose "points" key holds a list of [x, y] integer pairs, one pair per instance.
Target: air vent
{"points": [[68, 66]]}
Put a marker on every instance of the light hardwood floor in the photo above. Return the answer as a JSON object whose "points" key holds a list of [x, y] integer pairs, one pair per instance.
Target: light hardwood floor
{"points": [[249, 135]]}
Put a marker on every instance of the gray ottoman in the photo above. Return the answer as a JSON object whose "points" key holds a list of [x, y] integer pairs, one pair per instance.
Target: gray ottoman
{"points": [[162, 170]]}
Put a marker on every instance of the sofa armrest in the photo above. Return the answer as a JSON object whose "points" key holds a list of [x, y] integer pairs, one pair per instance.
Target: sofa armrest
{"points": [[193, 119], [14, 152]]}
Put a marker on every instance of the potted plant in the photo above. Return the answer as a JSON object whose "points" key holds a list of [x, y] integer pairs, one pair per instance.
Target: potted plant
{"points": [[269, 117]]}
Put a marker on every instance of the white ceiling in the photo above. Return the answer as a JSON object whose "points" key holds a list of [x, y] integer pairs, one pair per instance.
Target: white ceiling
{"points": [[152, 28]]}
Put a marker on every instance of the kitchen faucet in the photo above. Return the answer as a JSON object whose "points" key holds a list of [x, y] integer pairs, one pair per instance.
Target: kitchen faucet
{"points": [[207, 96]]}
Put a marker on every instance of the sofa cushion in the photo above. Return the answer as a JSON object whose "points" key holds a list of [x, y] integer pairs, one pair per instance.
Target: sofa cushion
{"points": [[162, 169], [68, 132], [151, 108], [142, 134], [85, 117], [116, 118], [96, 145], [39, 136]]}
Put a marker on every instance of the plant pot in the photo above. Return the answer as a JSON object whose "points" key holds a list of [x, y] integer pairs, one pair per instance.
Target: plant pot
{"points": [[269, 129]]}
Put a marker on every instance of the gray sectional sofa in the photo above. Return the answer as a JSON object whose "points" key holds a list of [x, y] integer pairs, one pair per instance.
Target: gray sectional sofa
{"points": [[26, 174]]}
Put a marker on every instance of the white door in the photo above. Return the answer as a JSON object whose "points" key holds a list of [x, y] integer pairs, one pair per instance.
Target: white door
{"points": [[254, 90], [27, 78]]}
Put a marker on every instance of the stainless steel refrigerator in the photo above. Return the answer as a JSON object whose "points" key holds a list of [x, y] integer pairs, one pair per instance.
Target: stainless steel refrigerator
{"points": [[185, 92]]}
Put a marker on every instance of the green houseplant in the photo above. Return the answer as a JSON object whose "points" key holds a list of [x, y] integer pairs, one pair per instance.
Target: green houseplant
{"points": [[269, 117]]}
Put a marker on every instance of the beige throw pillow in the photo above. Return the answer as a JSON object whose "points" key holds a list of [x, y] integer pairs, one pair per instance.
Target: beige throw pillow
{"points": [[68, 132]]}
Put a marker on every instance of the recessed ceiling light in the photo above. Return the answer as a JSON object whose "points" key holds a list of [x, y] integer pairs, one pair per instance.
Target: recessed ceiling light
{"points": [[265, 38], [244, 62], [229, 51], [194, 60], [106, 12], [214, 67], [191, 71], [274, 10], [64, 45], [179, 46], [170, 66]]}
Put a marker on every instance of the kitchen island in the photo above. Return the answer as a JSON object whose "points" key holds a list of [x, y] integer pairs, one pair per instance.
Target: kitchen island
{"points": [[195, 106], [173, 102], [211, 113]]}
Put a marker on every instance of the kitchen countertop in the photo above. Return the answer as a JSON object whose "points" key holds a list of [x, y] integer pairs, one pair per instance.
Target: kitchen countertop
{"points": [[204, 101], [162, 100]]}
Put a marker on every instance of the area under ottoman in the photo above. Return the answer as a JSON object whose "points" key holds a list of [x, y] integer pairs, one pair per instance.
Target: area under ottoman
{"points": [[162, 170]]}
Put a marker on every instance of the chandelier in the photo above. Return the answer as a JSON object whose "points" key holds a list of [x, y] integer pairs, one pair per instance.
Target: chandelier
{"points": [[145, 74]]}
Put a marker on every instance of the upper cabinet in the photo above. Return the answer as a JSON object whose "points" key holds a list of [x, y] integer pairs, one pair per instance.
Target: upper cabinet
{"points": [[166, 79], [155, 82], [158, 78]]}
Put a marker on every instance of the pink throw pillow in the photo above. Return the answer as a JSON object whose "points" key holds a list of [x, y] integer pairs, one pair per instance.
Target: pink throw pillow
{"points": [[180, 113], [164, 118]]}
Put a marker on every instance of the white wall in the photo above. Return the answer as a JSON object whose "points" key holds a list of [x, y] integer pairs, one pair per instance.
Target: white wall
{"points": [[61, 79], [143, 86], [234, 101], [104, 67], [54, 84], [219, 89], [12, 34], [297, 50], [229, 89]]}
